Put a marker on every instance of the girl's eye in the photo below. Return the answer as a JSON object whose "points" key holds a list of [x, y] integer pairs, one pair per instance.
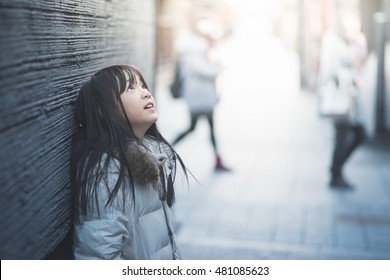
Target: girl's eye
{"points": [[131, 88], [144, 86]]}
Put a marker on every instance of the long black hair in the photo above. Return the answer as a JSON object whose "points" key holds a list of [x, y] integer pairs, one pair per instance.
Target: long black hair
{"points": [[104, 132]]}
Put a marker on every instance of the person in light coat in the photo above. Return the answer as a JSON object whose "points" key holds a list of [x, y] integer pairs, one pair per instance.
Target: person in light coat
{"points": [[343, 51], [122, 171], [196, 48]]}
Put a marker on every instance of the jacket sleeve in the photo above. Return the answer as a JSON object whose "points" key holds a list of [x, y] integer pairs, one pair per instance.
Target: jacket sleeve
{"points": [[103, 232]]}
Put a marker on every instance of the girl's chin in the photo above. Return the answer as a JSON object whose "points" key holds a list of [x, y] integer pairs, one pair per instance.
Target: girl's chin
{"points": [[153, 121]]}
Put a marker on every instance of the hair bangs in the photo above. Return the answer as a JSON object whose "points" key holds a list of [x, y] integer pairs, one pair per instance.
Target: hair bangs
{"points": [[133, 73]]}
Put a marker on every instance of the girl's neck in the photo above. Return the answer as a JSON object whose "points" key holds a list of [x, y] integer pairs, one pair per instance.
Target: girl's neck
{"points": [[140, 136], [140, 132]]}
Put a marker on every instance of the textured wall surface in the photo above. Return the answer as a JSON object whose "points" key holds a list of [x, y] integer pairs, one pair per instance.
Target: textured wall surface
{"points": [[47, 49]]}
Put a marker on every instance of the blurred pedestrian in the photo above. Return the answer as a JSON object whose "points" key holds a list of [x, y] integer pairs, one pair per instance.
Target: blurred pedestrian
{"points": [[343, 52], [122, 170], [200, 66]]}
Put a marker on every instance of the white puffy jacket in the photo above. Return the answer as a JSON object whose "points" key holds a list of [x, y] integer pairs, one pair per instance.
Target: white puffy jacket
{"points": [[140, 231]]}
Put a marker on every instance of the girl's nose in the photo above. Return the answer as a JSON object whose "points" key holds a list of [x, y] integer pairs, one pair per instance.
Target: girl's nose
{"points": [[146, 93]]}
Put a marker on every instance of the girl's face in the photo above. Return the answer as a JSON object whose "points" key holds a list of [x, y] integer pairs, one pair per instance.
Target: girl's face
{"points": [[139, 106]]}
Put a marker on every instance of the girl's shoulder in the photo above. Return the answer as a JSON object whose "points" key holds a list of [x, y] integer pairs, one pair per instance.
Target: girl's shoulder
{"points": [[112, 166], [106, 173]]}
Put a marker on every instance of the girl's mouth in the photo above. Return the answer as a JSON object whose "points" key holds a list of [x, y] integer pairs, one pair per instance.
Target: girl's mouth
{"points": [[150, 105]]}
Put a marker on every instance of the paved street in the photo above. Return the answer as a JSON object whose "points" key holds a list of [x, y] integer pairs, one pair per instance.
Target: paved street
{"points": [[276, 204]]}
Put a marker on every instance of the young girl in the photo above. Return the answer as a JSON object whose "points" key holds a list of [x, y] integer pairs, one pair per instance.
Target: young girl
{"points": [[123, 171]]}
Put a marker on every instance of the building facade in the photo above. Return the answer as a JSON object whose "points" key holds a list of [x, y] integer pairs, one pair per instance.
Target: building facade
{"points": [[47, 50]]}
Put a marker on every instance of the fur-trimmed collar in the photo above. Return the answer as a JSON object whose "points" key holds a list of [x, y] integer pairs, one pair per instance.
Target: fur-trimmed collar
{"points": [[143, 166]]}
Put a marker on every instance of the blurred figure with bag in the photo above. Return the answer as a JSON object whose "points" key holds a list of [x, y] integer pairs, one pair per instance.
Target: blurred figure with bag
{"points": [[199, 66], [343, 52]]}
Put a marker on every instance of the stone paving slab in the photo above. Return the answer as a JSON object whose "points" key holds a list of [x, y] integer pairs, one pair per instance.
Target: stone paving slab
{"points": [[228, 249]]}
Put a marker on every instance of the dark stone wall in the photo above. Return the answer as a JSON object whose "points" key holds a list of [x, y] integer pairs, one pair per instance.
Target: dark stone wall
{"points": [[47, 49]]}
